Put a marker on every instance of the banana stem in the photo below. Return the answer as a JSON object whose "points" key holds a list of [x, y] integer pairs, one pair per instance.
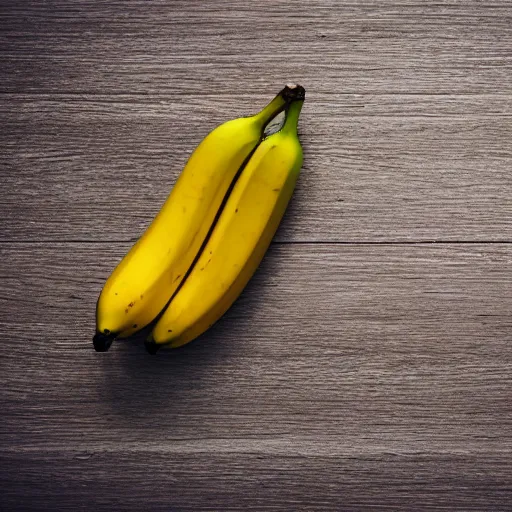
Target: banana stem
{"points": [[292, 116], [282, 101], [292, 92]]}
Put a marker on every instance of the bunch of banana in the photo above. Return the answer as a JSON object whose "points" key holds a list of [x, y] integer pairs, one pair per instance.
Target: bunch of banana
{"points": [[208, 239]]}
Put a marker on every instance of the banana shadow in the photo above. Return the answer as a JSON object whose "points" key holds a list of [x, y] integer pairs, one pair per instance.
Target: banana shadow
{"points": [[135, 381], [139, 386]]}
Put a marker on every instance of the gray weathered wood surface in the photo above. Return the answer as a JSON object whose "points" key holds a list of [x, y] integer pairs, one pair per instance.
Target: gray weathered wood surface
{"points": [[368, 364]]}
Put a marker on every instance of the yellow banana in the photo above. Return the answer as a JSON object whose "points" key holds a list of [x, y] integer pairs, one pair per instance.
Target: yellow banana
{"points": [[239, 238], [142, 284]]}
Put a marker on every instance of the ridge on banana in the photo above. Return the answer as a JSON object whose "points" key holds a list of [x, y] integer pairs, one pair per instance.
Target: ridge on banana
{"points": [[145, 282]]}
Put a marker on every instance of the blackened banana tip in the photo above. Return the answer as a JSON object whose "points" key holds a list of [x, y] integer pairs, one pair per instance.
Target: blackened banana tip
{"points": [[293, 92], [102, 341], [151, 347]]}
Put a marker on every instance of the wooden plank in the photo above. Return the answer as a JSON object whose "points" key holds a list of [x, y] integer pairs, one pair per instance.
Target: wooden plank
{"points": [[347, 377], [377, 168], [186, 47], [259, 481]]}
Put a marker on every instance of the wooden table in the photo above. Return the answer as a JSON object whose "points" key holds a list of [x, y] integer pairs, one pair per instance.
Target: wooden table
{"points": [[368, 364]]}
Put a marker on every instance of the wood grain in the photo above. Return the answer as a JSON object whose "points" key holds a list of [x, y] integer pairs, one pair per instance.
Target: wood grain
{"points": [[393, 390], [367, 366], [386, 168], [184, 47]]}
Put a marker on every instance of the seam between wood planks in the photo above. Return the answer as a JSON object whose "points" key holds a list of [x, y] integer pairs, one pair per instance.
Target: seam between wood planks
{"points": [[139, 94], [281, 242]]}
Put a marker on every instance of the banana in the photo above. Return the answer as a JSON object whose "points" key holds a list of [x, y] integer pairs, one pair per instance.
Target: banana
{"points": [[143, 282], [238, 240]]}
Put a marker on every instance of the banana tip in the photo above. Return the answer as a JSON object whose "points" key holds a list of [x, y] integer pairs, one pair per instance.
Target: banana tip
{"points": [[102, 341], [151, 346]]}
